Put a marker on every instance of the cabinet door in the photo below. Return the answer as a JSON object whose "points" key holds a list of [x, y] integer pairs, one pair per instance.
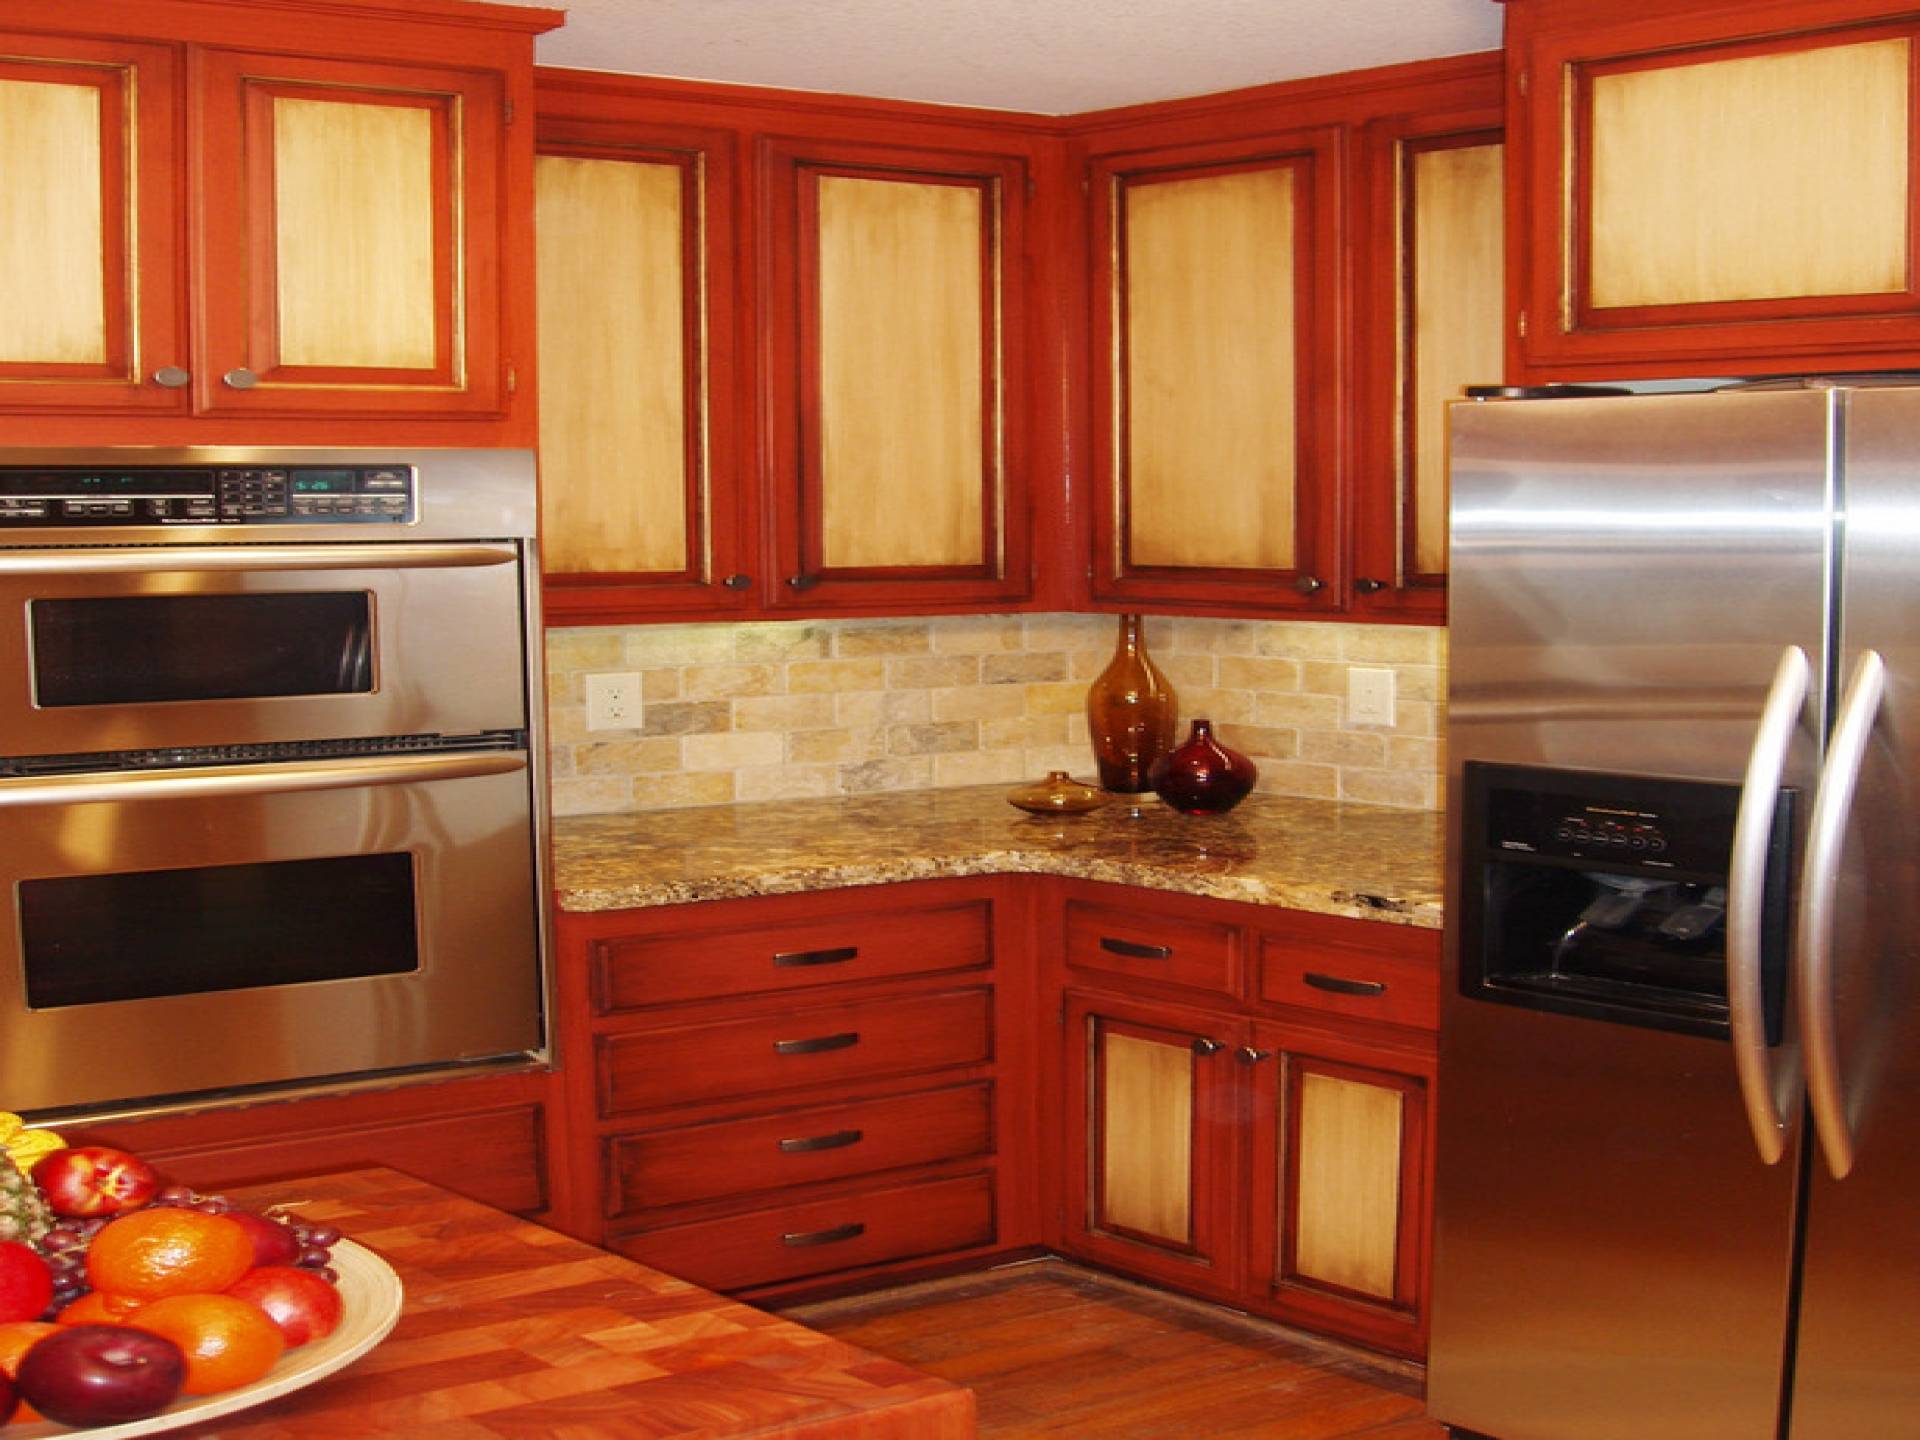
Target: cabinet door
{"points": [[89, 265], [1152, 1145], [895, 333], [640, 491], [1216, 274], [1341, 1180], [1696, 194], [347, 241], [1433, 307]]}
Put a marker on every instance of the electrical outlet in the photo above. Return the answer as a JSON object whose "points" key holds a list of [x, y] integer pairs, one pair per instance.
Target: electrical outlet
{"points": [[1369, 697], [613, 701]]}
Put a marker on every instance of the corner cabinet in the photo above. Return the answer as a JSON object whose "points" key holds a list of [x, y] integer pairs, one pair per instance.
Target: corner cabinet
{"points": [[1245, 1098], [1713, 189], [1216, 277]]}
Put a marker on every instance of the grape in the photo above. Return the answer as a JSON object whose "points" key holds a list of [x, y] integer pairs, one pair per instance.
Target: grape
{"points": [[325, 1236]]}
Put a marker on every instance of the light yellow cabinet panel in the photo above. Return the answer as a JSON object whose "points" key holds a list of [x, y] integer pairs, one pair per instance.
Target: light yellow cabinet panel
{"points": [[1347, 1199], [1209, 394], [613, 283], [902, 446], [1759, 178], [53, 304], [1146, 1136]]}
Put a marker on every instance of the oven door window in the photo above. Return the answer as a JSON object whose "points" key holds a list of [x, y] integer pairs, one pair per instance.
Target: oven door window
{"points": [[97, 939], [134, 650]]}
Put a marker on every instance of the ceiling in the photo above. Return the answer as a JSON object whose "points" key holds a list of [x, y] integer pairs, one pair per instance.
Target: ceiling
{"points": [[1049, 56]]}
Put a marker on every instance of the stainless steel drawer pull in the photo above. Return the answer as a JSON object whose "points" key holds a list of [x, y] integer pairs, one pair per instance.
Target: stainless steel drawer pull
{"points": [[1344, 987], [838, 1140], [1134, 950], [817, 957], [816, 1043], [838, 1233]]}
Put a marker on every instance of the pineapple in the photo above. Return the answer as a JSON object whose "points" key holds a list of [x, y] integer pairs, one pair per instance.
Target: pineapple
{"points": [[24, 1215]]}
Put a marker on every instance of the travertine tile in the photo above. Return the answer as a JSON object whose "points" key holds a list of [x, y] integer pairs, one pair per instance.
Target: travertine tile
{"points": [[979, 702], [1317, 712], [591, 794], [837, 675], [1413, 644], [1387, 787], [627, 757], [714, 682], [1344, 747], [1062, 699], [1024, 732], [932, 672], [783, 712], [786, 782], [1022, 669], [675, 792], [679, 717], [883, 638], [1258, 673], [980, 767], [898, 772], [783, 640], [732, 751], [1299, 777], [977, 635], [883, 707], [646, 645], [934, 739]]}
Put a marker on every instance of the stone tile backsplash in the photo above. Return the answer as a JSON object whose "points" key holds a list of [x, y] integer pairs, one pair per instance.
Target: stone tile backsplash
{"points": [[781, 709]]}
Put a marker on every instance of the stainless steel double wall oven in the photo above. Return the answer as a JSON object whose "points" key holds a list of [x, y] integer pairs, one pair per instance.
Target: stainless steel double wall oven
{"points": [[269, 796]]}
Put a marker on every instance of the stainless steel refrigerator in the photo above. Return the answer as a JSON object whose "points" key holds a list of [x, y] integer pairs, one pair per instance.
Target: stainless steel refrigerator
{"points": [[1678, 1188]]}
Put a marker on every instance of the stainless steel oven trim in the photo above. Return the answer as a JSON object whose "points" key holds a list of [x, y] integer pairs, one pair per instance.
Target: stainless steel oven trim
{"points": [[213, 781], [151, 560]]}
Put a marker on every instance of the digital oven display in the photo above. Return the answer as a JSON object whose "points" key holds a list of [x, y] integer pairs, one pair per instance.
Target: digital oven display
{"points": [[323, 482]]}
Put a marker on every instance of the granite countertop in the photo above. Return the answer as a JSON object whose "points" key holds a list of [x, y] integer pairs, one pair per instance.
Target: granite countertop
{"points": [[1363, 861]]}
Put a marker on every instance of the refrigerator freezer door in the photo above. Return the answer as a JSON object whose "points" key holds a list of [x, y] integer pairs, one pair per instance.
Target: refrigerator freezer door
{"points": [[1858, 1373], [1613, 1257]]}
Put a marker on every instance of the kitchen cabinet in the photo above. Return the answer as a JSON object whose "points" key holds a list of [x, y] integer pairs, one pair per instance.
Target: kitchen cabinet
{"points": [[1215, 305], [1432, 314], [1286, 286], [787, 1091], [1267, 1147], [1712, 189], [328, 232], [491, 1138], [787, 345], [643, 478]]}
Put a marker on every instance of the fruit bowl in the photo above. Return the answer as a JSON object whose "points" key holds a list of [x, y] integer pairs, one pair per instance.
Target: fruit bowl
{"points": [[371, 1294]]}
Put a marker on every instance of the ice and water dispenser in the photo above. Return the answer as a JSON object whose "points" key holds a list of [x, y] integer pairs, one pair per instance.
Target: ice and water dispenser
{"points": [[1606, 896]]}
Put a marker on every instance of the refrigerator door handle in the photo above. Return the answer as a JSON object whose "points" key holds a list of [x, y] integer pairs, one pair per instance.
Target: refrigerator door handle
{"points": [[1746, 889], [1826, 838]]}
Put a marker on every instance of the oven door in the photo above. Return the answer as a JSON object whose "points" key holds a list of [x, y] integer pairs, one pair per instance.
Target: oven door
{"points": [[192, 930], [150, 647]]}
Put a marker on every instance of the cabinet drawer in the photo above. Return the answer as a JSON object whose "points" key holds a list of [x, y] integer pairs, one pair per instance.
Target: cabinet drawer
{"points": [[866, 1228], [813, 1046], [796, 1147], [1361, 983], [1193, 953], [633, 972]]}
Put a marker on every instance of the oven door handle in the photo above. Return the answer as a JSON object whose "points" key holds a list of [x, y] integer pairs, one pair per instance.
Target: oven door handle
{"points": [[145, 560], [219, 781]]}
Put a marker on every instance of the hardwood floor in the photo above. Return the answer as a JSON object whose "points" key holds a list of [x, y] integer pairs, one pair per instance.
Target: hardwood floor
{"points": [[1051, 1349]]}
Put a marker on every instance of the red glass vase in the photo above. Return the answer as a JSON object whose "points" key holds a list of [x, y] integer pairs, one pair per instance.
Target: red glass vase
{"points": [[1131, 712], [1203, 777]]}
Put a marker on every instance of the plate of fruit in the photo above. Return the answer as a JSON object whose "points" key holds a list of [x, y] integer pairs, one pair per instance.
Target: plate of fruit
{"points": [[132, 1307]]}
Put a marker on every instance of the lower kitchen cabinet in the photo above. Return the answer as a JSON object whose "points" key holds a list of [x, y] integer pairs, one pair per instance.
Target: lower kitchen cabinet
{"points": [[1271, 1152], [793, 1092]]}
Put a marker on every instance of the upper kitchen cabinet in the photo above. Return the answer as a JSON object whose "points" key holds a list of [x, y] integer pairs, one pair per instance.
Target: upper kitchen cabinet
{"points": [[786, 351], [225, 229], [1216, 309], [1719, 189], [1432, 311], [895, 284], [639, 436]]}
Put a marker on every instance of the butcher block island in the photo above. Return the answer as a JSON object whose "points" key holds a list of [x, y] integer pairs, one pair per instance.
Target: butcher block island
{"points": [[817, 1046], [513, 1330]]}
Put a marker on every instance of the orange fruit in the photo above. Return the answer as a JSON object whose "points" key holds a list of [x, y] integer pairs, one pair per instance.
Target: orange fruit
{"points": [[152, 1253], [97, 1307], [15, 1340], [227, 1342]]}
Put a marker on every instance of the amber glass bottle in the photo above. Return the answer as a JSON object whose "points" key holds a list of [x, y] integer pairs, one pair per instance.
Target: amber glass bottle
{"points": [[1131, 711]]}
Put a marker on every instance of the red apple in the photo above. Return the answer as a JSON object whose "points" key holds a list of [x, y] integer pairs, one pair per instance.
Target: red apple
{"points": [[26, 1281], [101, 1375], [273, 1243], [303, 1305], [94, 1180]]}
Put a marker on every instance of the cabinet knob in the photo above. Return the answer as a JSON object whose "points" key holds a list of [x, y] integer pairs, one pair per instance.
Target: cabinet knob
{"points": [[1247, 1055], [1204, 1046], [803, 582], [1309, 584], [1369, 587], [172, 377], [240, 378], [737, 582]]}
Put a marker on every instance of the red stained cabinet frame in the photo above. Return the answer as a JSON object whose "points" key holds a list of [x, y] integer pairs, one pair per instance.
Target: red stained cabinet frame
{"points": [[1620, 261]]}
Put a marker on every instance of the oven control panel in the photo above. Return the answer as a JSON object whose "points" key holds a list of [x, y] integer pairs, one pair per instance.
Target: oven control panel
{"points": [[148, 495]]}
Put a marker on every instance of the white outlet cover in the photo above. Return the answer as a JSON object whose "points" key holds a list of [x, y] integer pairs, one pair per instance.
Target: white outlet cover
{"points": [[613, 701], [1370, 696]]}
